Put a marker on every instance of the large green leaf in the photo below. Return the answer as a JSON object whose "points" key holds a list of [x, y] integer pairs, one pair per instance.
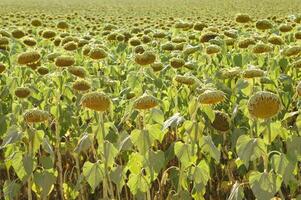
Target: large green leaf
{"points": [[201, 173], [173, 121], [207, 146], [294, 148], [249, 149], [37, 140], [237, 192], [264, 185], [117, 176], [11, 189], [276, 130], [13, 135], [111, 153], [155, 162], [93, 173], [28, 164], [138, 183], [155, 131], [135, 163], [183, 152], [45, 181], [17, 164], [207, 109], [142, 140], [84, 143], [283, 166], [157, 116]]}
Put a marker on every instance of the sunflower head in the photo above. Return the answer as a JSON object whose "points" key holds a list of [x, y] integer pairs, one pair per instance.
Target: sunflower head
{"points": [[264, 105]]}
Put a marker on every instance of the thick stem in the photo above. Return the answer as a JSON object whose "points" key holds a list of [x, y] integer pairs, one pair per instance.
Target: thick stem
{"points": [[269, 132], [82, 196], [196, 129], [59, 162], [58, 139], [29, 182], [180, 179], [107, 186]]}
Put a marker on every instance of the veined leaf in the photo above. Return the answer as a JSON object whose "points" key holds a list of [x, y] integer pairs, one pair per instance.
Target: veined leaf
{"points": [[93, 173], [249, 149]]}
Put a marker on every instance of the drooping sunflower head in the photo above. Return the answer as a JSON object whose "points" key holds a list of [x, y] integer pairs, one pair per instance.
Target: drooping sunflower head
{"points": [[185, 79], [211, 96], [145, 102], [221, 121], [36, 116], [81, 85], [22, 92], [264, 105], [28, 57], [96, 101]]}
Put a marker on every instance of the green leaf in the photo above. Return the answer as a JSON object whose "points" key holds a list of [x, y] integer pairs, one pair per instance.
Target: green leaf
{"points": [[237, 192], [155, 132], [294, 148], [46, 146], [237, 60], [138, 182], [282, 166], [276, 129], [28, 164], [142, 140], [111, 153], [45, 181], [135, 163], [11, 189], [155, 162], [93, 173], [173, 121], [157, 116], [183, 152], [207, 146], [283, 63], [249, 149], [117, 176], [47, 161], [84, 143], [207, 109], [201, 173], [17, 163], [192, 106], [264, 185], [37, 140], [13, 135]]}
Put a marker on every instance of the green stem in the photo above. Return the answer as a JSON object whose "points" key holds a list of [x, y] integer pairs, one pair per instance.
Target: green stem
{"points": [[58, 139], [180, 179], [269, 131], [30, 154], [106, 182], [82, 196]]}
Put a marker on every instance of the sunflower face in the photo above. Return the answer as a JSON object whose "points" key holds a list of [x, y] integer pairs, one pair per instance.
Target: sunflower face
{"points": [[264, 105], [35, 116], [221, 121], [145, 102], [96, 101], [211, 97]]}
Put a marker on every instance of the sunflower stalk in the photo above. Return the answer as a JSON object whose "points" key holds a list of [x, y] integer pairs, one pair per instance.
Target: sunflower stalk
{"points": [[58, 138], [107, 185], [30, 155]]}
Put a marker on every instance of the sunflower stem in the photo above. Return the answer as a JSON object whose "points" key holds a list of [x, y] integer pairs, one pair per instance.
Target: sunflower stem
{"points": [[106, 182], [30, 154], [58, 138]]}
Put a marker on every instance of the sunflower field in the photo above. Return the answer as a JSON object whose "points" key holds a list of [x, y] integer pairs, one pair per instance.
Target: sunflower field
{"points": [[150, 100]]}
